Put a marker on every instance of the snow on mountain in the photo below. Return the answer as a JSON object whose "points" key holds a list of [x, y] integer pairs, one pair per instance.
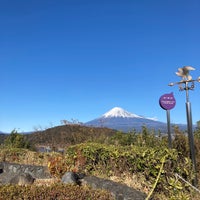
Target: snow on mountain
{"points": [[153, 118], [119, 112]]}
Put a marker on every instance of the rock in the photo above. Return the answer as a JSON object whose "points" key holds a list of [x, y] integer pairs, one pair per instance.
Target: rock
{"points": [[118, 191], [81, 175], [22, 179], [70, 178], [9, 171], [35, 171]]}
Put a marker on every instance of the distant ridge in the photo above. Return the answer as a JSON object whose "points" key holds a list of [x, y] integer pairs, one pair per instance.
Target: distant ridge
{"points": [[122, 120]]}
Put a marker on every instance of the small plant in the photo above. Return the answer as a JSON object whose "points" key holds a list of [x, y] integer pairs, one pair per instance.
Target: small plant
{"points": [[57, 165]]}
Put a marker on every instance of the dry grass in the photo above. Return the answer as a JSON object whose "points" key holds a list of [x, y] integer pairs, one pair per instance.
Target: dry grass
{"points": [[132, 180], [46, 182]]}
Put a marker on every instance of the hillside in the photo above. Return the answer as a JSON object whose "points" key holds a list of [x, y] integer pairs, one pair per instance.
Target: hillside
{"points": [[61, 136]]}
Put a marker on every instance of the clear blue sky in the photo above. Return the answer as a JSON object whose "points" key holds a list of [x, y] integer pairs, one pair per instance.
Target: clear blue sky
{"points": [[63, 59]]}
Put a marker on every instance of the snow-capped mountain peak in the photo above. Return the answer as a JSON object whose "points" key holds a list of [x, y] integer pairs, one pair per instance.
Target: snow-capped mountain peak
{"points": [[119, 112], [122, 120]]}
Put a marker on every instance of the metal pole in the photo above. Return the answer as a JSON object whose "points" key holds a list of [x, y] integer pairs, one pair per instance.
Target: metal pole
{"points": [[187, 91], [191, 140], [169, 129], [186, 79]]}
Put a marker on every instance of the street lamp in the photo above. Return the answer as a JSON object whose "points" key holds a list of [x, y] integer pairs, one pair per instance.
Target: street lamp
{"points": [[187, 83]]}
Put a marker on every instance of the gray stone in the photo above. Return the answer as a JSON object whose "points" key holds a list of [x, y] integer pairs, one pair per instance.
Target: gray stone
{"points": [[118, 191], [70, 178], [9, 171], [22, 179], [35, 171]]}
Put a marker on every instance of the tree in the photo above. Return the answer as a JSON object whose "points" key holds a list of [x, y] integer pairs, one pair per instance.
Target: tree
{"points": [[16, 140], [197, 130]]}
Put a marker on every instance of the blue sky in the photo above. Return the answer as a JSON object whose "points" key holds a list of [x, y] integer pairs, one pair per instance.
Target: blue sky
{"points": [[64, 59]]}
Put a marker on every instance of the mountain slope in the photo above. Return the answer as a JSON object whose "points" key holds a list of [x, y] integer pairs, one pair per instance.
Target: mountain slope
{"points": [[120, 119], [60, 136]]}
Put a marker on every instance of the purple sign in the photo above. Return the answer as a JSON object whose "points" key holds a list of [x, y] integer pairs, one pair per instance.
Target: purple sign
{"points": [[167, 101]]}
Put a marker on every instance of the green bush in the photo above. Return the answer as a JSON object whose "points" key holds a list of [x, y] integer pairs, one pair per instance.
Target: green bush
{"points": [[112, 160], [147, 138], [16, 140]]}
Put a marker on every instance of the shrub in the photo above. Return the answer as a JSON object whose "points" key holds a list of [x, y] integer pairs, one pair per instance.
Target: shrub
{"points": [[111, 160], [16, 140], [55, 191], [23, 156]]}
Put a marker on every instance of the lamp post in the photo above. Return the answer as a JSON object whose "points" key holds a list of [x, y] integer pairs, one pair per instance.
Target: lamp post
{"points": [[187, 83]]}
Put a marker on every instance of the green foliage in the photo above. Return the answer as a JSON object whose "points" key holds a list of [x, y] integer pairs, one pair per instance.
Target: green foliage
{"points": [[146, 138], [123, 139], [16, 140], [180, 143], [2, 138], [145, 154], [56, 191], [111, 160], [198, 125]]}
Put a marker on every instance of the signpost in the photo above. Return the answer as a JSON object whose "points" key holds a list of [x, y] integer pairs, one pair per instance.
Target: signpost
{"points": [[167, 102]]}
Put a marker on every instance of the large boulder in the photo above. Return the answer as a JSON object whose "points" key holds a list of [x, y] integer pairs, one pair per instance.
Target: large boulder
{"points": [[118, 191], [21, 174]]}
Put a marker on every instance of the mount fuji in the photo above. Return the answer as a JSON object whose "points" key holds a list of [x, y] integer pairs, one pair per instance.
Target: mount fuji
{"points": [[119, 112], [122, 120]]}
